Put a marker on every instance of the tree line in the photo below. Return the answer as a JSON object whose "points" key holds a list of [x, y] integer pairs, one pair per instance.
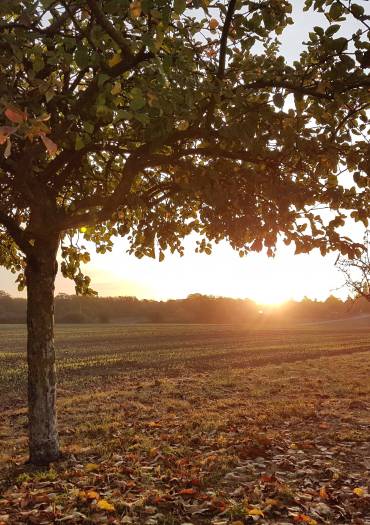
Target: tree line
{"points": [[196, 308]]}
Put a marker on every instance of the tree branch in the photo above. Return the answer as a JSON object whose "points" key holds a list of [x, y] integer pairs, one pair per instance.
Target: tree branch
{"points": [[115, 35], [224, 36], [15, 232]]}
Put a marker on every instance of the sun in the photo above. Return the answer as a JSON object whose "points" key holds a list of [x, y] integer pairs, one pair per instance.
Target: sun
{"points": [[272, 291]]}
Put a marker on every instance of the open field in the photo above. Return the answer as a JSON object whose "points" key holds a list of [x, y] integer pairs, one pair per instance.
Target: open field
{"points": [[200, 424]]}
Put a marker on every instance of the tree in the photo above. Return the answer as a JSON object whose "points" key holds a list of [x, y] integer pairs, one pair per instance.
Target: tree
{"points": [[356, 271], [151, 119]]}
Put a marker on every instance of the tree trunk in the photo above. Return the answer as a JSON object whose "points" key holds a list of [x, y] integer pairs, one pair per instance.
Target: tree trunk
{"points": [[40, 278]]}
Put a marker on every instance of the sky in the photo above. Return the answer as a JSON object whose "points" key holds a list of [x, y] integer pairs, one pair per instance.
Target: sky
{"points": [[224, 273]]}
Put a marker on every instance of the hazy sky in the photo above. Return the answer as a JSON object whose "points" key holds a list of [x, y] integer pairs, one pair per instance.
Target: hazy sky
{"points": [[224, 272]]}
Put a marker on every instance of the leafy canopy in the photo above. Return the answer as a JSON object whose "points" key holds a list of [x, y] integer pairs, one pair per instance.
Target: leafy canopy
{"points": [[156, 118]]}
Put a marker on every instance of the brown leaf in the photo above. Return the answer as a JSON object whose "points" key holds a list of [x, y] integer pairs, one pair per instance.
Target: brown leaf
{"points": [[49, 145], [5, 131], [15, 115], [8, 148], [188, 492]]}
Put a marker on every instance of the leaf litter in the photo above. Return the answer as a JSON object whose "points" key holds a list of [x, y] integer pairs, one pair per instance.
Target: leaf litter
{"points": [[249, 446]]}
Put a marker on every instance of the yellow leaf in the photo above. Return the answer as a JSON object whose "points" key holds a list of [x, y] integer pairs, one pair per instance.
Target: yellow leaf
{"points": [[90, 467], [359, 491], [135, 8], [38, 129], [116, 59], [91, 494], [213, 24], [183, 125], [152, 98], [272, 502], [116, 89], [323, 493], [255, 512], [305, 519], [103, 504], [84, 230]]}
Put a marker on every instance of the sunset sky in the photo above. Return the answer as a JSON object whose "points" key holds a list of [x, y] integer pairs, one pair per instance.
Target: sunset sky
{"points": [[224, 272]]}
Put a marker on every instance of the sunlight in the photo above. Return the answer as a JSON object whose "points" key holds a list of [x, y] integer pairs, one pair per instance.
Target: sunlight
{"points": [[269, 281], [272, 295]]}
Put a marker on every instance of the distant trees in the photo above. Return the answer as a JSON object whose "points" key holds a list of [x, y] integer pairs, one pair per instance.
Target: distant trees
{"points": [[196, 308]]}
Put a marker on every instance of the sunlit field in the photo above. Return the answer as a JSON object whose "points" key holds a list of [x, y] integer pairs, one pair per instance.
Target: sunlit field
{"points": [[195, 424]]}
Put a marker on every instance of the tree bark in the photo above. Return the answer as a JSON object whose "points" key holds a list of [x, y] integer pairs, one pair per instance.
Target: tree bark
{"points": [[41, 271]]}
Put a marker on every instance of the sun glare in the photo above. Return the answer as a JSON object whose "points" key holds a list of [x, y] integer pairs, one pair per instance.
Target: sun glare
{"points": [[267, 281], [272, 289]]}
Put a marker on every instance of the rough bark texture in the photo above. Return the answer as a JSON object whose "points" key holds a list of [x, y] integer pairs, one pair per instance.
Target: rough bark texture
{"points": [[40, 276]]}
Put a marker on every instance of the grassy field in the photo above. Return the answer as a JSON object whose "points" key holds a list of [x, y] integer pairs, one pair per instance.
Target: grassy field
{"points": [[195, 424]]}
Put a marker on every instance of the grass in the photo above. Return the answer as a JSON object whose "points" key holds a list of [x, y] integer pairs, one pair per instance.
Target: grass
{"points": [[185, 405]]}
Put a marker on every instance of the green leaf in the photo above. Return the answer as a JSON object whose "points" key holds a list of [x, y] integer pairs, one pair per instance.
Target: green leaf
{"points": [[332, 30], [138, 100], [79, 143], [357, 10], [82, 57], [123, 114], [278, 100], [179, 6], [336, 11]]}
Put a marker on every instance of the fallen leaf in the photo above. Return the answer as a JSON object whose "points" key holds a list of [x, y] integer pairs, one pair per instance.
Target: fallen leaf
{"points": [[359, 491], [90, 467], [188, 492], [305, 519], [103, 504], [273, 502], [255, 512], [92, 494]]}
